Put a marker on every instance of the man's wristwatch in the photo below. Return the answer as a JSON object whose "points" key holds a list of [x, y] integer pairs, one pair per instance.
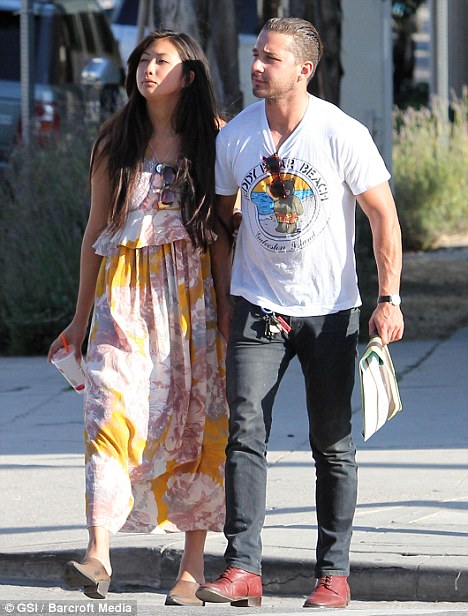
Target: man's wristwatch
{"points": [[394, 299]]}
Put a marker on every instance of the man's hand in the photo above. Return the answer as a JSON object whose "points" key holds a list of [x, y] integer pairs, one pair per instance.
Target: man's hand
{"points": [[387, 321]]}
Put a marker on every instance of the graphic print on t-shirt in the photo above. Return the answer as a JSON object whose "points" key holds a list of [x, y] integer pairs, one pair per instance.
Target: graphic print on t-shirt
{"points": [[290, 222]]}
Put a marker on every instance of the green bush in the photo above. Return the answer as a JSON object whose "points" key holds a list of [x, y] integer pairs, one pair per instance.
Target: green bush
{"points": [[430, 165], [44, 199]]}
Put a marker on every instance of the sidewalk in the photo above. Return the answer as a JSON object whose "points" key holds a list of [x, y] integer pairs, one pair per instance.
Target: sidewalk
{"points": [[410, 537]]}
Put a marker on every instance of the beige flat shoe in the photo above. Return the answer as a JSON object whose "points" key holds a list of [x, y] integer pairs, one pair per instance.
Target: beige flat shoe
{"points": [[89, 575], [183, 593]]}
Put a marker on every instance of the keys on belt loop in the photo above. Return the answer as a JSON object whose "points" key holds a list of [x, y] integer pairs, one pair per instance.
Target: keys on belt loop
{"points": [[275, 324], [283, 325]]}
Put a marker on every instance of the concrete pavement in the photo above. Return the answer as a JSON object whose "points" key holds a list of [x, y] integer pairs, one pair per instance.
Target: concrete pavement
{"points": [[410, 537]]}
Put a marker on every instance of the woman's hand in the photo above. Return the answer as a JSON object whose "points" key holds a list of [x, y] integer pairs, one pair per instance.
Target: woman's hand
{"points": [[224, 308], [236, 223], [74, 335]]}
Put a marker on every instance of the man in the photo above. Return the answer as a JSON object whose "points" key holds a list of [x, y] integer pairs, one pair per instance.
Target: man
{"points": [[294, 292]]}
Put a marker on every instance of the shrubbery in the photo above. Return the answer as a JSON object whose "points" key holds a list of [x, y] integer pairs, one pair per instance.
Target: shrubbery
{"points": [[44, 200], [430, 171]]}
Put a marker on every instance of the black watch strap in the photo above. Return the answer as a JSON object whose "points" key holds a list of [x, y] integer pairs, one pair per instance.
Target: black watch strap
{"points": [[394, 299]]}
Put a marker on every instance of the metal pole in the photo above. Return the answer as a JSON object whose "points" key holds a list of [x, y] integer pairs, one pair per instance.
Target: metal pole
{"points": [[387, 81], [27, 68], [440, 62]]}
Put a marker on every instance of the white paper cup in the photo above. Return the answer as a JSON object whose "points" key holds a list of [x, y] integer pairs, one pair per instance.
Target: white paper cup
{"points": [[71, 369]]}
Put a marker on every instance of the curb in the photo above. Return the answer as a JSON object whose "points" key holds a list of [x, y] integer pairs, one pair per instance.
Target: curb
{"points": [[156, 568]]}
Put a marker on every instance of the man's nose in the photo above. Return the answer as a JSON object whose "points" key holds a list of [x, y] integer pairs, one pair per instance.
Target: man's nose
{"points": [[257, 66]]}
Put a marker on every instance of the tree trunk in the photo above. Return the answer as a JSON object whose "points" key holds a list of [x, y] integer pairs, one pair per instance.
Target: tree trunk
{"points": [[326, 16], [270, 8], [213, 23]]}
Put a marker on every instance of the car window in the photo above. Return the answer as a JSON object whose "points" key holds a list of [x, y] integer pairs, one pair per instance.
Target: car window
{"points": [[104, 32], [10, 65], [89, 35], [62, 71], [9, 46], [75, 36], [73, 31]]}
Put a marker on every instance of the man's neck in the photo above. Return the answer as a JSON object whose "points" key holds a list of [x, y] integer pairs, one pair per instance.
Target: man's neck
{"points": [[284, 116]]}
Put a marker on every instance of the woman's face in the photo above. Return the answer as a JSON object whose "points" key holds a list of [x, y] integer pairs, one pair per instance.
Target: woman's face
{"points": [[159, 73]]}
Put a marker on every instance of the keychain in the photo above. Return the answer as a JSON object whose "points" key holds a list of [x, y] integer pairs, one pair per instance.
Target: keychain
{"points": [[274, 324]]}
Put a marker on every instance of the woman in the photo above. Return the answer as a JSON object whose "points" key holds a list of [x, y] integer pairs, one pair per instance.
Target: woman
{"points": [[155, 411]]}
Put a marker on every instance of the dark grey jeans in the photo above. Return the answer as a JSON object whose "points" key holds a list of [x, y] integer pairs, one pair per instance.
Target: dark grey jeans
{"points": [[326, 348]]}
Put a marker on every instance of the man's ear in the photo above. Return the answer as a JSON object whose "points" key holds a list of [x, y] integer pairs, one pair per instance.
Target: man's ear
{"points": [[307, 70]]}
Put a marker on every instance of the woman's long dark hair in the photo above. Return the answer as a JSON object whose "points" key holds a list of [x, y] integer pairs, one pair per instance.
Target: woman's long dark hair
{"points": [[124, 139]]}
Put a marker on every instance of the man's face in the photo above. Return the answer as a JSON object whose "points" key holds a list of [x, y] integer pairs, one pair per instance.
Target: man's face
{"points": [[275, 70]]}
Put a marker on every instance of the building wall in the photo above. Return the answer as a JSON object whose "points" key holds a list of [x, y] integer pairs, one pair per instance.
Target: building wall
{"points": [[366, 56], [246, 44], [458, 45]]}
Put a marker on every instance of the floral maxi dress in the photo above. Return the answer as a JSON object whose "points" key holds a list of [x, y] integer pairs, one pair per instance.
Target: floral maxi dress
{"points": [[155, 408]]}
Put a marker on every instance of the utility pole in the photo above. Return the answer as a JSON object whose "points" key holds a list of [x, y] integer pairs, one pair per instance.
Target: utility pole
{"points": [[387, 81], [440, 50], [27, 68]]}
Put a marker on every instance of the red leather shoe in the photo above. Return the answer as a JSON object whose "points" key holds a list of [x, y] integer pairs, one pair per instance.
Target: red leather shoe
{"points": [[234, 586], [330, 591]]}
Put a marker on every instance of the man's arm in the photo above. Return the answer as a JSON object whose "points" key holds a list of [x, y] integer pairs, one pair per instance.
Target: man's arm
{"points": [[379, 207], [221, 259]]}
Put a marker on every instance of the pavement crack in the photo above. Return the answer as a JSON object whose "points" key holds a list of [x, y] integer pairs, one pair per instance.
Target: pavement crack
{"points": [[401, 374], [30, 411], [15, 389]]}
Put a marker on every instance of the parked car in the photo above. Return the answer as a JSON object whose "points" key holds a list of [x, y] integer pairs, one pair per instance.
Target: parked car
{"points": [[77, 67]]}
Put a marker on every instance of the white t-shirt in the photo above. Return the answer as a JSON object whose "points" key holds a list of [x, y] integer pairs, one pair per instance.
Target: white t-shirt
{"points": [[296, 255]]}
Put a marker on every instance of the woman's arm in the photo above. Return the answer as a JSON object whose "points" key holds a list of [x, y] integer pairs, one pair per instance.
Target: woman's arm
{"points": [[221, 259]]}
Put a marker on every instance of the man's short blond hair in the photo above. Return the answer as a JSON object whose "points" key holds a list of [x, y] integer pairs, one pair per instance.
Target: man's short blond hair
{"points": [[306, 42]]}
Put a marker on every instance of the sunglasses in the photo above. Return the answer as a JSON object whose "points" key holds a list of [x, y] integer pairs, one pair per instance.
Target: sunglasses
{"points": [[277, 187], [168, 174]]}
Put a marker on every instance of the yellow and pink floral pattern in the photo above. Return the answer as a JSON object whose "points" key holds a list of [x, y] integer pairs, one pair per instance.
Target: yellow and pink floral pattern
{"points": [[155, 408]]}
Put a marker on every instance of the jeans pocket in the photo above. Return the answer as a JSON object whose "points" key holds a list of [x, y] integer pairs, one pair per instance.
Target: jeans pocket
{"points": [[247, 320]]}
